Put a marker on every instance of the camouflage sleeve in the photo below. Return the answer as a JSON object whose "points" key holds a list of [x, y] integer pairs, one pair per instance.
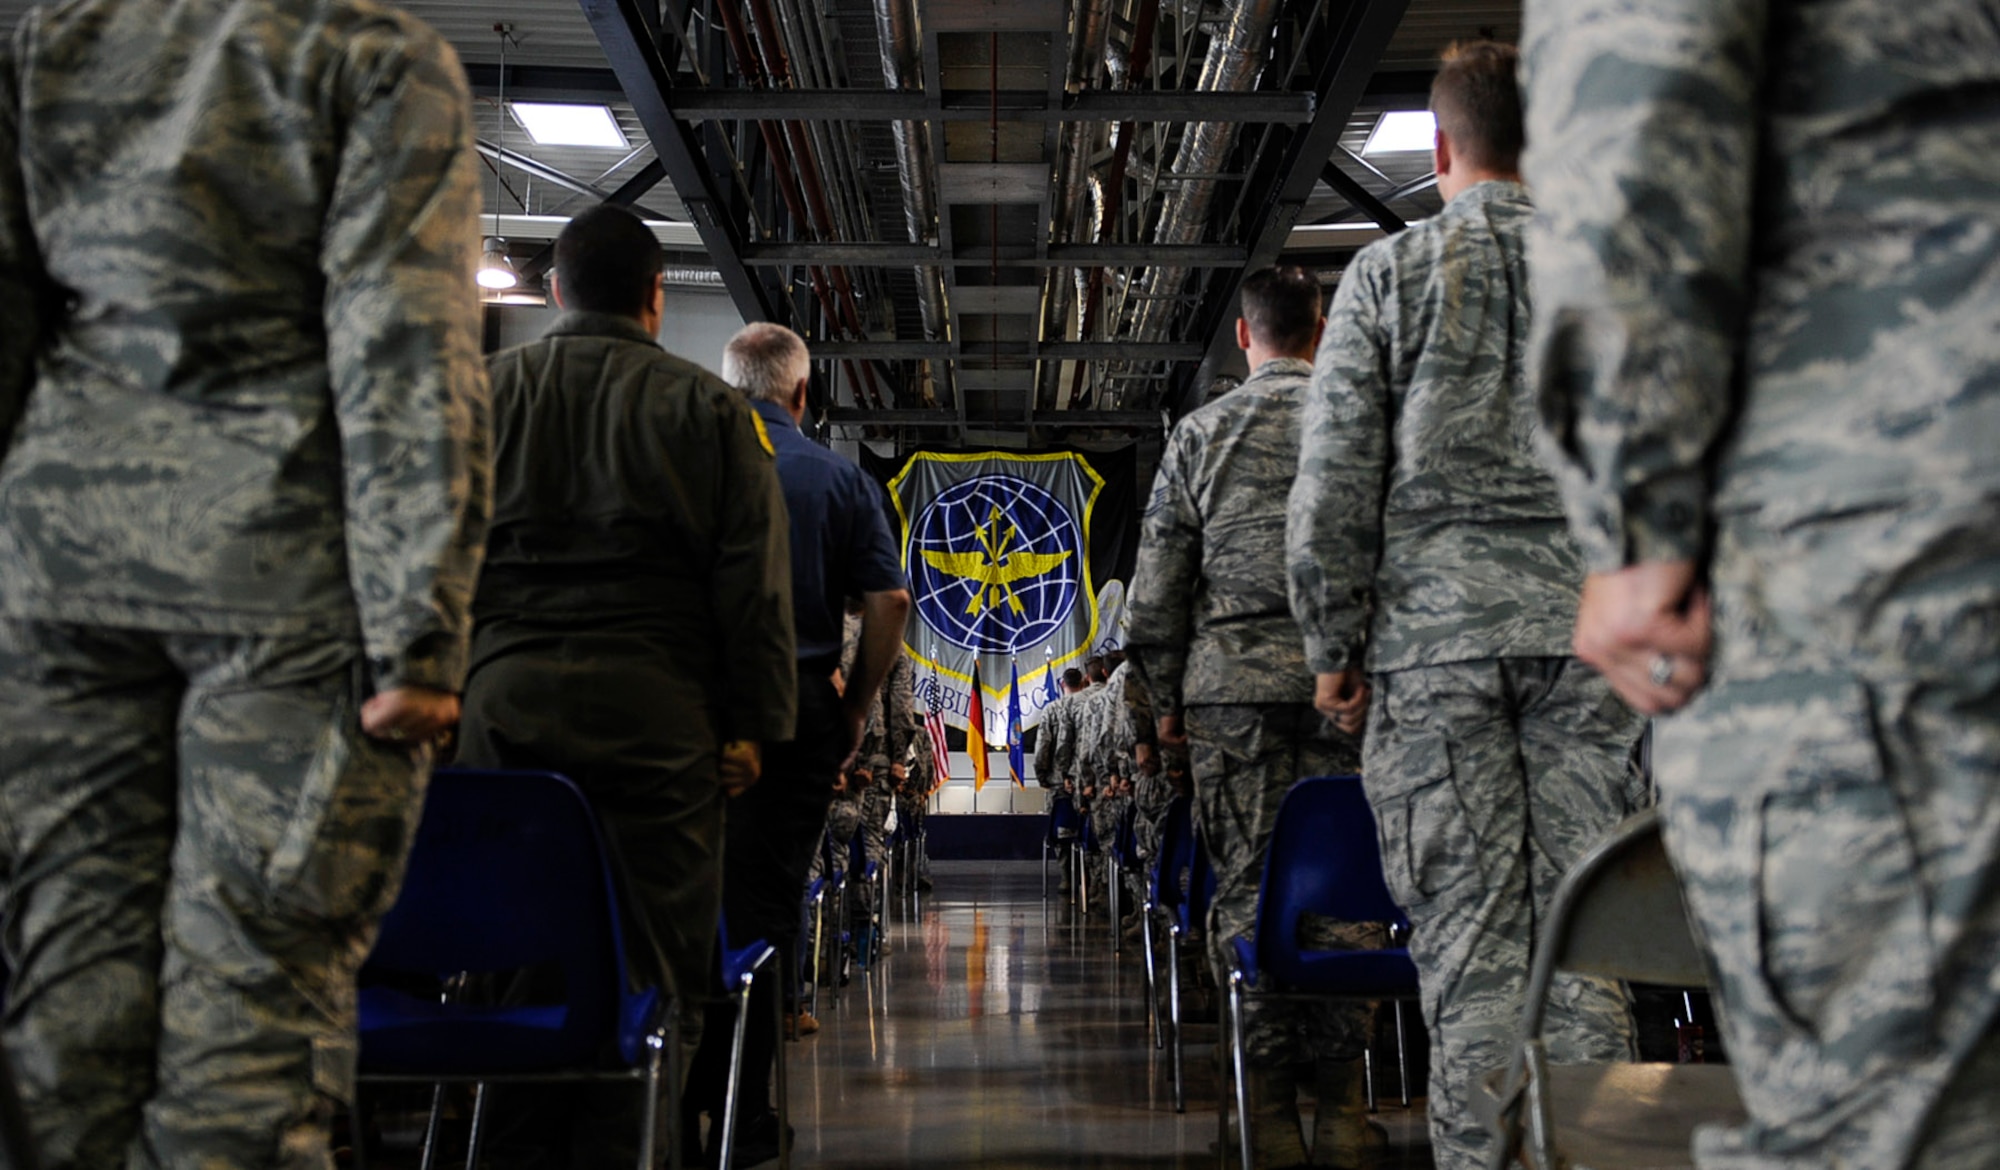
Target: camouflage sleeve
{"points": [[750, 587], [1138, 708], [1045, 743], [1159, 607], [1333, 520], [21, 278], [899, 692], [403, 340], [1065, 747], [1642, 120]]}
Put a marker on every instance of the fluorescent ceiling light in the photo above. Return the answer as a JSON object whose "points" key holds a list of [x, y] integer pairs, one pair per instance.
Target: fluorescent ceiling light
{"points": [[563, 124], [1402, 130]]}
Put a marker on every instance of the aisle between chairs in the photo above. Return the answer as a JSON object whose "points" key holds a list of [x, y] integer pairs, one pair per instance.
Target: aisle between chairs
{"points": [[1001, 1032]]}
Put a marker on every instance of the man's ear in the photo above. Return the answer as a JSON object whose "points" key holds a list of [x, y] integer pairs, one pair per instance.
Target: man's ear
{"points": [[555, 290], [1242, 334], [658, 301], [1441, 153], [1319, 331], [799, 394]]}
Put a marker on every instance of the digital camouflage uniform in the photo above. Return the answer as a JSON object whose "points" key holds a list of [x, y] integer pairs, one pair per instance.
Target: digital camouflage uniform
{"points": [[1152, 793], [1097, 762], [244, 486], [1769, 278], [1426, 543], [1057, 724], [1211, 634], [891, 729]]}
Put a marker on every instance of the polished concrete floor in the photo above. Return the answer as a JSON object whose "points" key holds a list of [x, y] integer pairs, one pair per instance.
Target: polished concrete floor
{"points": [[1001, 1032]]}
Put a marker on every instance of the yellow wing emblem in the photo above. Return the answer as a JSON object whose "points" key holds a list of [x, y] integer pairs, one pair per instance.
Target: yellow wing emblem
{"points": [[763, 436], [993, 569]]}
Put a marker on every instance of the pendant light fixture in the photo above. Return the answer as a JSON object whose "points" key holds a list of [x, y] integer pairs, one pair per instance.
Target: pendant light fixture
{"points": [[496, 272]]}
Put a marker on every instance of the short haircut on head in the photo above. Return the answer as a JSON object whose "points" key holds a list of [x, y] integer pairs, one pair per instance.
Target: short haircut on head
{"points": [[1073, 679], [765, 361], [1094, 669], [1282, 307], [608, 261], [1477, 100]]}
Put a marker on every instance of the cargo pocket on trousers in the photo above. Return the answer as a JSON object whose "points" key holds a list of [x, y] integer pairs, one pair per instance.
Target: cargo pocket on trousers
{"points": [[1843, 926], [1427, 840], [340, 855]]}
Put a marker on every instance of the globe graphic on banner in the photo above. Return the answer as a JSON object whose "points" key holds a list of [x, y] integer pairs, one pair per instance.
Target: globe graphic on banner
{"points": [[995, 564]]}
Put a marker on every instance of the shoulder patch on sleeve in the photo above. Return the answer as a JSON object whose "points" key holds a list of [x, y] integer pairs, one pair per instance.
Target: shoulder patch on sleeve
{"points": [[763, 436]]}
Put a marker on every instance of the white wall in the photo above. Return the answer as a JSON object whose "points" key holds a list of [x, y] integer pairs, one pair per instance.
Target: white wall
{"points": [[696, 325]]}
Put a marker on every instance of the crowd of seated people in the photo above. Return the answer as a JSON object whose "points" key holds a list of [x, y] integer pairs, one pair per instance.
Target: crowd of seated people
{"points": [[276, 538]]}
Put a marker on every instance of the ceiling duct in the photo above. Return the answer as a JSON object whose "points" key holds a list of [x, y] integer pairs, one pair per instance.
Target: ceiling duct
{"points": [[1235, 62], [1092, 31], [896, 28]]}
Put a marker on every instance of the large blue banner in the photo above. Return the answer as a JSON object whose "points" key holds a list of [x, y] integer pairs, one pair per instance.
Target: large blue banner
{"points": [[997, 548]]}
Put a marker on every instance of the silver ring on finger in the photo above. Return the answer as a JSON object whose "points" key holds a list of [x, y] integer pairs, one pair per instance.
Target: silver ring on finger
{"points": [[1662, 670]]}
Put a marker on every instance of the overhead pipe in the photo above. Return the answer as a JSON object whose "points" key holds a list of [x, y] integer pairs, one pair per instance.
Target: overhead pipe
{"points": [[778, 68], [1129, 69], [748, 64], [1235, 61], [1087, 44], [896, 32]]}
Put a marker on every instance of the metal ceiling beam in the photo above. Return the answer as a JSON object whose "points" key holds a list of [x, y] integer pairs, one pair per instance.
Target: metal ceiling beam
{"points": [[1147, 420], [568, 83], [1010, 255], [623, 31], [547, 83], [1290, 178], [542, 171], [1012, 347], [629, 192], [850, 105], [1361, 198]]}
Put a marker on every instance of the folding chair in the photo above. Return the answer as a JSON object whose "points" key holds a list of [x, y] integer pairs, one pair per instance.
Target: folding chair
{"points": [[813, 908], [1121, 857], [1182, 854], [835, 879], [1062, 831], [741, 968], [1325, 861], [1169, 846], [1617, 914], [868, 935], [510, 871]]}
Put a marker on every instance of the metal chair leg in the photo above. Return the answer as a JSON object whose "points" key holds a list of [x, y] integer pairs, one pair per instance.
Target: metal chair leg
{"points": [[784, 1085], [819, 936], [1368, 1076], [1178, 1059], [1402, 1056], [672, 1060], [733, 1090], [1152, 977], [1111, 902], [1237, 1063], [649, 1109], [429, 1157], [477, 1136]]}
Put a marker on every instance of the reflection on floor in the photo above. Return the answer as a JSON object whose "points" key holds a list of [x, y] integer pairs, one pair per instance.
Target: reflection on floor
{"points": [[1000, 1032]]}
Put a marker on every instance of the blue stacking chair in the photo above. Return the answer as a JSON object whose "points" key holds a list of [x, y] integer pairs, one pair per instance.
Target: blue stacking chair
{"points": [[1121, 858], [812, 922], [1325, 860], [832, 887], [509, 870], [1181, 854], [868, 938], [1063, 830], [741, 968]]}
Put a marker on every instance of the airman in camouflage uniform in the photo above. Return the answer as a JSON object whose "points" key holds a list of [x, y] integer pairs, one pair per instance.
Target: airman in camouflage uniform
{"points": [[1098, 765], [1768, 272], [1211, 632], [1427, 546], [1057, 723], [243, 494]]}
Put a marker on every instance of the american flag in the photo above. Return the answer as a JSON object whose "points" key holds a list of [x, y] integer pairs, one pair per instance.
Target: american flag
{"points": [[934, 725]]}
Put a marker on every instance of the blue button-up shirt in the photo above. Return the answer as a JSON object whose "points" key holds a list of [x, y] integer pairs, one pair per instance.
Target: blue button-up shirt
{"points": [[841, 545]]}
